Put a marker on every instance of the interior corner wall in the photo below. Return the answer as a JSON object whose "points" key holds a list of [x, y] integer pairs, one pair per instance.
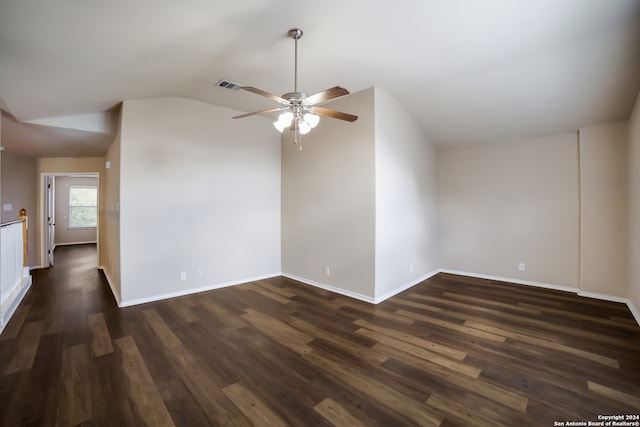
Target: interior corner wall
{"points": [[18, 180], [604, 209], [109, 223], [405, 236], [328, 201], [634, 207], [199, 194], [504, 204]]}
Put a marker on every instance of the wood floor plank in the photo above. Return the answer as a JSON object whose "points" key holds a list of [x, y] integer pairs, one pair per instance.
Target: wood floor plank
{"points": [[279, 331], [485, 301], [552, 331], [182, 309], [27, 347], [15, 324], [337, 415], [145, 399], [283, 291], [498, 394], [254, 409], [414, 412], [321, 302], [54, 322], [269, 294], [101, 340], [377, 313], [625, 398], [580, 316], [222, 315], [109, 392], [74, 405], [462, 414], [419, 305], [607, 361], [205, 388], [160, 328], [453, 303], [364, 353], [412, 339], [421, 352], [453, 326]]}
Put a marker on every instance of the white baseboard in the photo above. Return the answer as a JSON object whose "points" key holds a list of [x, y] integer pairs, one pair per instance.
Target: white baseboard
{"points": [[7, 310], [330, 288], [137, 301], [371, 300], [396, 291]]}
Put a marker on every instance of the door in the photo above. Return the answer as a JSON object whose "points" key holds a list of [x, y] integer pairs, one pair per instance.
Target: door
{"points": [[51, 222]]}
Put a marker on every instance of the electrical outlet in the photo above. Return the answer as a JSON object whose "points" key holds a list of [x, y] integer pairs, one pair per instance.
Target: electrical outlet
{"points": [[521, 266], [327, 271], [410, 268], [183, 275], [199, 272]]}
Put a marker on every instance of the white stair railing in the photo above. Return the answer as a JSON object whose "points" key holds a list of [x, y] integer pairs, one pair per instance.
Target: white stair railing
{"points": [[14, 272]]}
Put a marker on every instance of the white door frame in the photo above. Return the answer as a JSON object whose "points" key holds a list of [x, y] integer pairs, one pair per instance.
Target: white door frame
{"points": [[50, 221], [44, 234]]}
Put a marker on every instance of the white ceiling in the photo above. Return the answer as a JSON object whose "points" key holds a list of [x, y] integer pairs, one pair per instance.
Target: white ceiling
{"points": [[468, 71]]}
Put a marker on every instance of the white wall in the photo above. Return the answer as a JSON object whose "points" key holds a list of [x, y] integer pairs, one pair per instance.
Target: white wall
{"points": [[634, 207], [510, 203], [63, 234], [328, 201], [406, 247], [198, 190], [604, 209]]}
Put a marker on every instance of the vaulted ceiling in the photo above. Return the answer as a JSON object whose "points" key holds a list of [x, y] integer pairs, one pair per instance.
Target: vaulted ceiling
{"points": [[467, 71]]}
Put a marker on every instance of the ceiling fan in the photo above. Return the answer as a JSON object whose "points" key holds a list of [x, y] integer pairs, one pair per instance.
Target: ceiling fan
{"points": [[299, 111]]}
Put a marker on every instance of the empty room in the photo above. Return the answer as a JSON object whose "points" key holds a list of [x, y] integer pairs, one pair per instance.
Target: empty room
{"points": [[287, 213]]}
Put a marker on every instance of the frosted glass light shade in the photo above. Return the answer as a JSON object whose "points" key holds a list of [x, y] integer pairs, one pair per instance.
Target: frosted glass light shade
{"points": [[312, 119], [280, 126], [303, 127], [284, 121]]}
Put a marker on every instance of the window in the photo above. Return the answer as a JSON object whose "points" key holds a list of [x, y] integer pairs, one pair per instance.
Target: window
{"points": [[83, 206]]}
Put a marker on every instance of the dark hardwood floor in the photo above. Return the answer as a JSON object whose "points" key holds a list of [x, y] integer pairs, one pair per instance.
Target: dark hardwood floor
{"points": [[451, 351]]}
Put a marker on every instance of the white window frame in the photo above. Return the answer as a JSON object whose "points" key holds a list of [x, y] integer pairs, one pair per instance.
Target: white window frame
{"points": [[71, 227]]}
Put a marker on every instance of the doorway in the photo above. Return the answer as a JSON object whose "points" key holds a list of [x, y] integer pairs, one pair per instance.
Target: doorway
{"points": [[70, 212]]}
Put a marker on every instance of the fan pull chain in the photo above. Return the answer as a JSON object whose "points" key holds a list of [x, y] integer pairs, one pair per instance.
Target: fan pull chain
{"points": [[297, 138]]}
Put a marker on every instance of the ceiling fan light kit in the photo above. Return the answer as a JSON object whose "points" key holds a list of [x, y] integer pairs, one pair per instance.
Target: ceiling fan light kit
{"points": [[300, 113]]}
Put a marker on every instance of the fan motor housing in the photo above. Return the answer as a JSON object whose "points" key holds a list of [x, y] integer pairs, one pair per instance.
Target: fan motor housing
{"points": [[294, 97]]}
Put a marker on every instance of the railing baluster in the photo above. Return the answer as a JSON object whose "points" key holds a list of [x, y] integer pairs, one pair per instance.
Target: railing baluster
{"points": [[23, 217]]}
